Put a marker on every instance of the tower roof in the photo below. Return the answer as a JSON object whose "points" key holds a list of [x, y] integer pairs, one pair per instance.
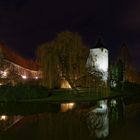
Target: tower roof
{"points": [[124, 53], [99, 43]]}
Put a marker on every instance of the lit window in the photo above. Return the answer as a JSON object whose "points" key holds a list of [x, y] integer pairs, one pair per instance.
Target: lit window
{"points": [[36, 77], [24, 76]]}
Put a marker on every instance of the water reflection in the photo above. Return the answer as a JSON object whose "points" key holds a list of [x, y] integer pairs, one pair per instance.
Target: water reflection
{"points": [[98, 121], [67, 106], [116, 111], [47, 121], [28, 108], [8, 121], [3, 118]]}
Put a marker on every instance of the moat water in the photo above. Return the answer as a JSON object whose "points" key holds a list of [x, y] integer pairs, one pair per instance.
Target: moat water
{"points": [[106, 119]]}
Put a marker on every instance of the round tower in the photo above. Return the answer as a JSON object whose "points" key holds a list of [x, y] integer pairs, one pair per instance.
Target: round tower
{"points": [[98, 60]]}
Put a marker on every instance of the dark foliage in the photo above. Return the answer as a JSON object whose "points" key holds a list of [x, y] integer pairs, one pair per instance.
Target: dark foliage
{"points": [[22, 92]]}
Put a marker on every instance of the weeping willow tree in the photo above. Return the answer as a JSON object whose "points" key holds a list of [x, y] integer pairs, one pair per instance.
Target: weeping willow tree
{"points": [[47, 57], [64, 57]]}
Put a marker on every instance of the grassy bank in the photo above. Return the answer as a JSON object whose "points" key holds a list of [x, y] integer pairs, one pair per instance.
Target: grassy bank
{"points": [[24, 93]]}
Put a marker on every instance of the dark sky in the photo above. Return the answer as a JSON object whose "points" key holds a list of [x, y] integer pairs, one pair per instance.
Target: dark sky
{"points": [[24, 24]]}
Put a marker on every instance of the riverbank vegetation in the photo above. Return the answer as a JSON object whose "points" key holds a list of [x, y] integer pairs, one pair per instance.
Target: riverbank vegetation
{"points": [[22, 92], [130, 92]]}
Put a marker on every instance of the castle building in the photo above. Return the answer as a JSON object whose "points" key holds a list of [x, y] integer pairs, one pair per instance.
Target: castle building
{"points": [[13, 66]]}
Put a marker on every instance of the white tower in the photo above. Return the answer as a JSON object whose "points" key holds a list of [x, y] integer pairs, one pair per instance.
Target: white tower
{"points": [[98, 60]]}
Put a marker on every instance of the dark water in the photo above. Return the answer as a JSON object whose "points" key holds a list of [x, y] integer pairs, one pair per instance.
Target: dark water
{"points": [[74, 121]]}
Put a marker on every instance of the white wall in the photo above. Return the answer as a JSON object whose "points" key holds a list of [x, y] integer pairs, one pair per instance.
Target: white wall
{"points": [[98, 59]]}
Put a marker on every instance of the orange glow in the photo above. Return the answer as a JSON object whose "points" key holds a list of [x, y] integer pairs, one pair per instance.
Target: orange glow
{"points": [[65, 84], [67, 106]]}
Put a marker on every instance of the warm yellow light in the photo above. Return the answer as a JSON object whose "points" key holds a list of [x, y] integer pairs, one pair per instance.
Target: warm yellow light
{"points": [[67, 106], [3, 117], [5, 73], [36, 77], [65, 84], [24, 76], [71, 105]]}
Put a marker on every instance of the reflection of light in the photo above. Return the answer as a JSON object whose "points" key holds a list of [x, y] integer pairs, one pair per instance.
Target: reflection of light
{"points": [[24, 76], [67, 106], [98, 120], [113, 103], [103, 104], [1, 84], [71, 104], [3, 117]]}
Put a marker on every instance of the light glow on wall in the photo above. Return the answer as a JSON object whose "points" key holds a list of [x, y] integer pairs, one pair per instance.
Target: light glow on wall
{"points": [[24, 76], [98, 60], [4, 74], [64, 84], [36, 77]]}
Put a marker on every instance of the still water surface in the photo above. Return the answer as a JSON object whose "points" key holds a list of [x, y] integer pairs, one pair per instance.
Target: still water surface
{"points": [[107, 119]]}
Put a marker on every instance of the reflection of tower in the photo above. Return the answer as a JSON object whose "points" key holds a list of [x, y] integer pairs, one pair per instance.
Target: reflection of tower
{"points": [[98, 121], [98, 117]]}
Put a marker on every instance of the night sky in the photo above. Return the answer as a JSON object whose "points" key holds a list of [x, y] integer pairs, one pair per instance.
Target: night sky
{"points": [[24, 24]]}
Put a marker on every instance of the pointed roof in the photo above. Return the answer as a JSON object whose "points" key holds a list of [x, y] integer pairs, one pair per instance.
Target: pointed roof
{"points": [[14, 57], [99, 43], [124, 53]]}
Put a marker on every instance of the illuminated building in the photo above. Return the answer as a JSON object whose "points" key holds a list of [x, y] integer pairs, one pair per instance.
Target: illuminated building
{"points": [[98, 60], [13, 66]]}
